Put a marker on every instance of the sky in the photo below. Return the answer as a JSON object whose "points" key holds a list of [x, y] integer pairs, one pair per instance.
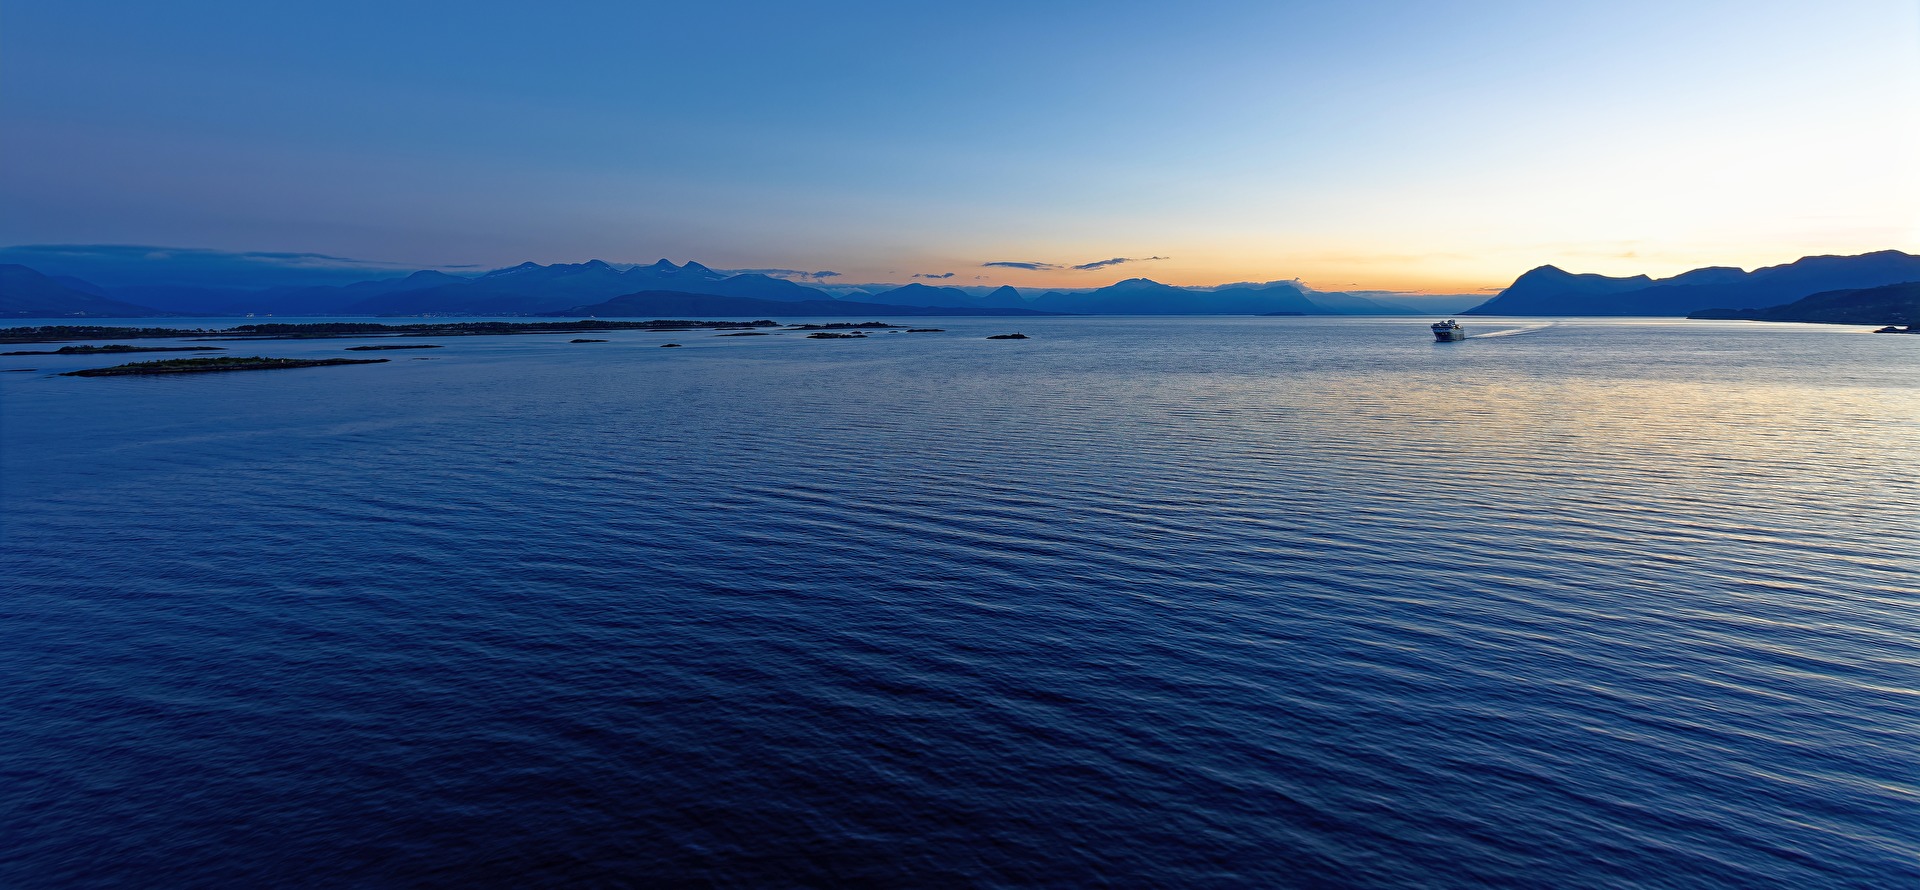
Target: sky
{"points": [[1439, 148]]}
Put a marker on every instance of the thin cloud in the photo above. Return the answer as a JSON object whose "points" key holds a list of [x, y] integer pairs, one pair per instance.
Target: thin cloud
{"points": [[117, 265], [122, 252], [799, 274], [1255, 284], [1102, 264], [1083, 267], [933, 275]]}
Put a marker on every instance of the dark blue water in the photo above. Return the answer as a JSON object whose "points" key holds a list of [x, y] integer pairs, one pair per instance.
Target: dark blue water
{"points": [[1168, 602]]}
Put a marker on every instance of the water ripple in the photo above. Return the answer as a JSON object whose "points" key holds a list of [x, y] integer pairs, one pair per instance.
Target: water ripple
{"points": [[1295, 602]]}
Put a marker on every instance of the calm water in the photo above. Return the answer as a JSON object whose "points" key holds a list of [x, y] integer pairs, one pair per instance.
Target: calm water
{"points": [[1168, 602]]}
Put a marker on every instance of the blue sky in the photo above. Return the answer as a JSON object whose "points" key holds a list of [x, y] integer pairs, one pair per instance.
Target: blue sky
{"points": [[1384, 145]]}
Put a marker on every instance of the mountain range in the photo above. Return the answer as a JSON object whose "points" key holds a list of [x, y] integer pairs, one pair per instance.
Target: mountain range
{"points": [[25, 293], [603, 289], [534, 289], [1552, 291], [677, 304], [1892, 304]]}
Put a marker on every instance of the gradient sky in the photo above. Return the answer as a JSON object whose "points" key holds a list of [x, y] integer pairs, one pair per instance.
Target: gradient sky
{"points": [[1411, 146]]}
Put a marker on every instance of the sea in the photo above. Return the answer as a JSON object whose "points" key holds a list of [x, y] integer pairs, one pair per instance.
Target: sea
{"points": [[1134, 602]]}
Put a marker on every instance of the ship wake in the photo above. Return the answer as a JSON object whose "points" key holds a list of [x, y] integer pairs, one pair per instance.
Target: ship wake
{"points": [[1510, 332]]}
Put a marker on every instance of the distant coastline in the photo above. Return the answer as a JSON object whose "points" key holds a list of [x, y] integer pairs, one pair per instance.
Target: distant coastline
{"points": [[345, 330], [1891, 305], [1831, 289]]}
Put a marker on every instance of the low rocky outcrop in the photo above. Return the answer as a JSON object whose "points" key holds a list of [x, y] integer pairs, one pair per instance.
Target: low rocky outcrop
{"points": [[218, 363], [115, 348]]}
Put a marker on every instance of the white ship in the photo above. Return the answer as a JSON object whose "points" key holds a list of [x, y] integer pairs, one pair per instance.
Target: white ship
{"points": [[1448, 331]]}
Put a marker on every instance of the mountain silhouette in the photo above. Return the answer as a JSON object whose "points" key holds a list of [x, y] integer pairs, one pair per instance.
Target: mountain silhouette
{"points": [[1552, 291], [338, 300], [516, 290], [917, 294], [1134, 296], [1262, 300], [81, 285], [670, 304], [25, 293], [531, 289], [759, 287], [1005, 296], [308, 300], [1892, 304], [1142, 296]]}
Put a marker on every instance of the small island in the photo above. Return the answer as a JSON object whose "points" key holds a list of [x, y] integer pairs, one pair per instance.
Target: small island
{"points": [[842, 326], [115, 348], [926, 330], [1009, 337], [586, 340], [831, 335], [217, 363]]}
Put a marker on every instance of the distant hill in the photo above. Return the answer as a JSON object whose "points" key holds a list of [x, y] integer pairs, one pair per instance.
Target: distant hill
{"points": [[526, 289], [1426, 304], [81, 285], [339, 300], [1355, 304], [184, 299], [1005, 296], [531, 289], [1893, 304], [1258, 301], [761, 287], [925, 295], [1142, 296], [675, 304], [1134, 296], [25, 293], [535, 289], [314, 300], [1552, 291], [514, 290]]}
